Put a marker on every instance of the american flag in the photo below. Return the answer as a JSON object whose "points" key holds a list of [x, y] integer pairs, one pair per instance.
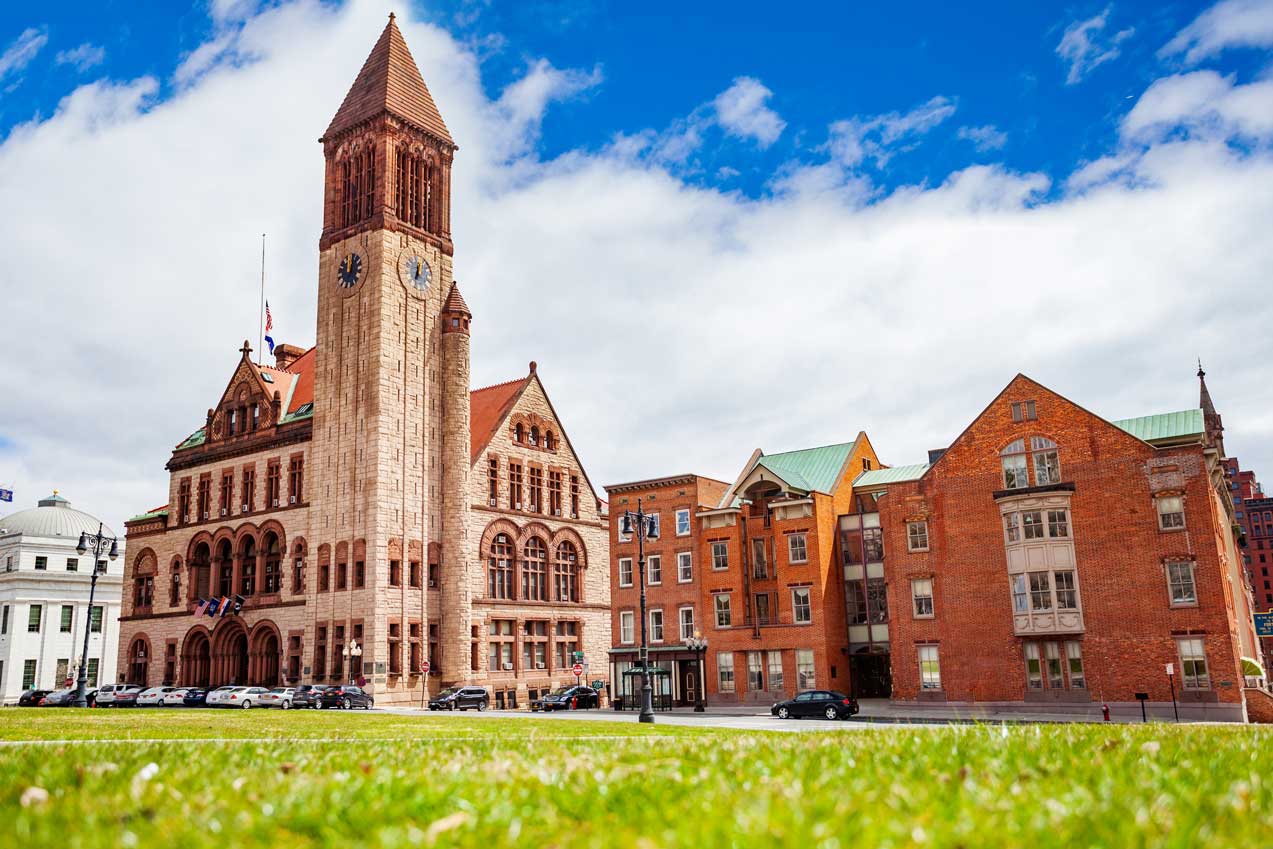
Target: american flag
{"points": [[269, 325]]}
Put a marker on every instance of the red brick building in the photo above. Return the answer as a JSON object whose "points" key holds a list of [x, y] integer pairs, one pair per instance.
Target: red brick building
{"points": [[1050, 556], [1254, 513]]}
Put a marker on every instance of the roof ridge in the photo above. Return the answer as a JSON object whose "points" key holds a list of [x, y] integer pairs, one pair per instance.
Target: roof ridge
{"points": [[498, 385], [850, 443]]}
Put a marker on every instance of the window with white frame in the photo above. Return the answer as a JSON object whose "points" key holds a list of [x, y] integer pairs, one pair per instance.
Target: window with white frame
{"points": [[1020, 596], [723, 614], [1171, 512], [917, 536], [1012, 526], [929, 668], [654, 569], [625, 571], [1047, 467], [656, 625], [1032, 524], [801, 610], [619, 522], [922, 598], [684, 567], [1067, 591], [627, 622], [797, 548], [805, 678], [1193, 663], [1180, 580], [1040, 591], [1058, 524], [720, 556], [725, 672], [687, 622], [755, 671], [683, 522], [1074, 658], [1033, 666], [775, 670], [656, 528]]}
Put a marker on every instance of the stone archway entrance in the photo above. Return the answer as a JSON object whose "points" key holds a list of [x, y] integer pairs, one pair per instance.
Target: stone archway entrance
{"points": [[230, 654], [196, 660], [265, 658]]}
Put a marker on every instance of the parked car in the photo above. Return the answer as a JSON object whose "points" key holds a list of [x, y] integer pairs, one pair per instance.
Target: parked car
{"points": [[217, 697], [306, 696], [824, 703], [346, 697], [576, 697], [126, 696], [244, 697], [174, 698], [31, 698], [460, 698], [106, 694], [195, 697], [57, 698], [279, 697], [153, 696]]}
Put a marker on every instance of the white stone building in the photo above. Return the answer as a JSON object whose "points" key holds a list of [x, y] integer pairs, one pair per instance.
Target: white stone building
{"points": [[44, 588]]}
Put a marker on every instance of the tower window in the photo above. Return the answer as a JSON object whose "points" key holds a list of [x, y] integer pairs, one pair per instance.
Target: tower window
{"points": [[358, 187], [414, 190]]}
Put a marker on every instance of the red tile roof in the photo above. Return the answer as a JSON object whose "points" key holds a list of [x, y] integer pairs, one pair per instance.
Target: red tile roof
{"points": [[390, 82], [455, 302], [487, 408], [303, 368]]}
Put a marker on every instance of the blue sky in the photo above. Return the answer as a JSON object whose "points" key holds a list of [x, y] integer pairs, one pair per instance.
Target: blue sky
{"points": [[714, 228]]}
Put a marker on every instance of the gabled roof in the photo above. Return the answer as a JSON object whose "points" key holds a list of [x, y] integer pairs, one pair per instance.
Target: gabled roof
{"points": [[390, 82], [1164, 426], [812, 469], [896, 474], [487, 408]]}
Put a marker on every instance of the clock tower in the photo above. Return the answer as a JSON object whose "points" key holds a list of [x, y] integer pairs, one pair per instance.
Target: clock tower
{"points": [[387, 524]]}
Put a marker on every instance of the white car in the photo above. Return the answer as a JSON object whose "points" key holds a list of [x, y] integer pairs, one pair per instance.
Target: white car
{"points": [[279, 697], [175, 698], [106, 695], [152, 697], [217, 697], [244, 697], [119, 695]]}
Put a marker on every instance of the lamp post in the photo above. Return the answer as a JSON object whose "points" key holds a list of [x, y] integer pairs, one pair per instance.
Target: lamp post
{"points": [[643, 526], [352, 652], [94, 543], [698, 645]]}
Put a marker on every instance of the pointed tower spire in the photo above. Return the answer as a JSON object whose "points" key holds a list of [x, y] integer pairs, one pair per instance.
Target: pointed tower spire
{"points": [[455, 313], [1211, 419], [390, 82], [1204, 397]]}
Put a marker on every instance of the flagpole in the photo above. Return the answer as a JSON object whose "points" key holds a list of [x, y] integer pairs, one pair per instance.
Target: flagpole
{"points": [[261, 343]]}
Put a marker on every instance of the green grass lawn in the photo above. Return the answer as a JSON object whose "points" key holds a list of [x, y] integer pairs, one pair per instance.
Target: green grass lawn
{"points": [[301, 779]]}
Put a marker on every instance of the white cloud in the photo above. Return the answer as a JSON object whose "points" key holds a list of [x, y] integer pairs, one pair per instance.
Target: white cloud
{"points": [[829, 306], [1231, 23], [230, 11], [83, 57], [1202, 104], [20, 53], [1086, 45], [878, 137], [742, 111], [985, 138], [522, 104]]}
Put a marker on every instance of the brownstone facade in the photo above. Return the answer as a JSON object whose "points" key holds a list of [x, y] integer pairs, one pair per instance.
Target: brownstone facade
{"points": [[342, 493]]}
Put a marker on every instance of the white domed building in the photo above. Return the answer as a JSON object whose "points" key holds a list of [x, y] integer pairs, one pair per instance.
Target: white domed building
{"points": [[44, 589]]}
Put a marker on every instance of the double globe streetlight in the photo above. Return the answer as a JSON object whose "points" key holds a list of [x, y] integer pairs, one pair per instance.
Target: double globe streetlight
{"points": [[96, 543], [644, 527], [352, 652]]}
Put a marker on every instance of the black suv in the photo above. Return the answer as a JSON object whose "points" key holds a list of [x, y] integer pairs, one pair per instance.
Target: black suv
{"points": [[345, 697], [460, 698], [568, 698], [822, 703], [306, 696]]}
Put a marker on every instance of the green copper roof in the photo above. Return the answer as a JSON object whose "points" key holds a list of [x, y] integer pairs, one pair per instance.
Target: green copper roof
{"points": [[1164, 425], [199, 437], [304, 411], [812, 469], [154, 514], [897, 474]]}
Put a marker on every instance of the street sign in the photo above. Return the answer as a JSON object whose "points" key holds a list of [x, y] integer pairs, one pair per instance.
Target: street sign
{"points": [[1264, 624], [1171, 669], [577, 669], [424, 668]]}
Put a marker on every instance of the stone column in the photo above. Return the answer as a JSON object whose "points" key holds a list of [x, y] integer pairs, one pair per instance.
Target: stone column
{"points": [[456, 586]]}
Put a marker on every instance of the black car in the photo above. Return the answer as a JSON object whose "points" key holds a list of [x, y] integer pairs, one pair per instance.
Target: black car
{"points": [[460, 698], [195, 697], [827, 704], [31, 698], [306, 696], [66, 698], [346, 697], [568, 698]]}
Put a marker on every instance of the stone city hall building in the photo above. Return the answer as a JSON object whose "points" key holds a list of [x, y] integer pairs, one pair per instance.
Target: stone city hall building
{"points": [[359, 493]]}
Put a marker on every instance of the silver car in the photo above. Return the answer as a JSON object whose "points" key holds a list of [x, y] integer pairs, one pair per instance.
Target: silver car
{"points": [[244, 697], [217, 697], [279, 697]]}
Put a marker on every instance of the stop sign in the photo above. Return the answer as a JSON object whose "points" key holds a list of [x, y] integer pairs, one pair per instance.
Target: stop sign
{"points": [[577, 669]]}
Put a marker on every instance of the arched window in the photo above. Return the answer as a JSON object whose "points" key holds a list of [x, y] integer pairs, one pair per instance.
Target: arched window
{"points": [[1047, 467], [273, 564], [298, 568], [534, 435], [500, 568], [225, 568], [550, 442], [174, 584], [1014, 465], [535, 570], [413, 190], [247, 566], [519, 433], [358, 185], [138, 662], [566, 573]]}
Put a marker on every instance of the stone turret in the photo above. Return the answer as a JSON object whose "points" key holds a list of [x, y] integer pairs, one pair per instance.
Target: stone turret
{"points": [[1210, 418], [456, 582]]}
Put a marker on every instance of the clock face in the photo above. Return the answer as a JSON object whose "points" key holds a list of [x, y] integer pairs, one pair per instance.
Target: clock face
{"points": [[415, 272], [348, 271]]}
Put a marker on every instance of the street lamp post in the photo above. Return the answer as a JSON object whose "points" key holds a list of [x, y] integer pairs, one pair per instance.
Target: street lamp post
{"points": [[95, 543], [643, 526], [352, 652], [698, 645]]}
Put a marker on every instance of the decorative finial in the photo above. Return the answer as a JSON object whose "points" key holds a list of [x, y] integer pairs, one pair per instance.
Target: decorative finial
{"points": [[533, 366], [55, 492], [1201, 373], [246, 349], [391, 16]]}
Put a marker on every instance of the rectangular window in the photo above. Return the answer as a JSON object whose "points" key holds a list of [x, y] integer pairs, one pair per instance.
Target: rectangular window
{"points": [[723, 614], [922, 598], [872, 545], [92, 671], [917, 536], [620, 523], [760, 561], [725, 671], [492, 481], [656, 626], [514, 486], [536, 490], [625, 571], [797, 550], [554, 493], [395, 573], [1020, 596], [1067, 593], [1171, 512], [1047, 468], [1193, 664], [1180, 580], [654, 570], [28, 675], [1058, 524], [1014, 471], [360, 574], [574, 496], [41, 563], [1032, 524], [755, 671], [775, 670], [1052, 655], [805, 679], [684, 567], [682, 523], [626, 623], [929, 668], [687, 622], [763, 616], [324, 577], [1074, 656], [720, 556], [67, 613], [33, 619], [342, 575], [296, 480], [273, 482], [1033, 667], [4, 620], [1040, 591], [72, 564], [801, 611], [1012, 526]]}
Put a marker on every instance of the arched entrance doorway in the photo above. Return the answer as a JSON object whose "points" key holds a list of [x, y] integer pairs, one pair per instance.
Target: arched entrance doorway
{"points": [[196, 660], [265, 656], [138, 662], [230, 654]]}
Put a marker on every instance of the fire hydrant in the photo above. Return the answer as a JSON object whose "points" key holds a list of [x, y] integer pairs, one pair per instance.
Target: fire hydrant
{"points": [[1105, 711]]}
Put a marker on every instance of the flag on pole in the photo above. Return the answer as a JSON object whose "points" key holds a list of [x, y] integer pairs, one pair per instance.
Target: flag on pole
{"points": [[212, 607], [6, 494], [225, 605], [203, 606], [269, 325]]}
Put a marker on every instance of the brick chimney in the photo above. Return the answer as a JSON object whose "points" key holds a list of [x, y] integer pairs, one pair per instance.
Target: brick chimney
{"points": [[285, 355]]}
